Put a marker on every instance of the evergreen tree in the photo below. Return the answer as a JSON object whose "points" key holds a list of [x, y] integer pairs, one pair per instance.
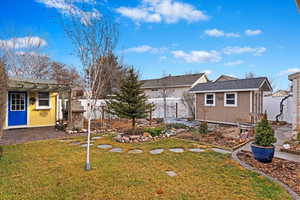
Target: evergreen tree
{"points": [[129, 101]]}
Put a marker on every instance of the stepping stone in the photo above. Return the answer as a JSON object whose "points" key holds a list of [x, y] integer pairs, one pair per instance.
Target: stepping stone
{"points": [[85, 145], [156, 151], [65, 140], [196, 150], [134, 151], [104, 146], [117, 150], [177, 150], [221, 151], [171, 173], [96, 138]]}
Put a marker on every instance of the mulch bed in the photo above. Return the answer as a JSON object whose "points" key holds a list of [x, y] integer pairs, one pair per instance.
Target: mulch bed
{"points": [[286, 171], [212, 138], [294, 147]]}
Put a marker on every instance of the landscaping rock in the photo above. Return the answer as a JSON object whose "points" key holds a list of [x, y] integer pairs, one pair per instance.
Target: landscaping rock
{"points": [[97, 138], [156, 151], [104, 146]]}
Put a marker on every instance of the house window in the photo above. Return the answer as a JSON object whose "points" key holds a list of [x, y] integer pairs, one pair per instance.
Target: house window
{"points": [[230, 99], [43, 100], [17, 102], [210, 99]]}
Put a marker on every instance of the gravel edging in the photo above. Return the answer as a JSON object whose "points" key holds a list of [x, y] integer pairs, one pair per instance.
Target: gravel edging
{"points": [[293, 194]]}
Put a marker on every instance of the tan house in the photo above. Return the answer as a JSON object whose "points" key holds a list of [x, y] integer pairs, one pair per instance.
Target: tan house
{"points": [[230, 101]]}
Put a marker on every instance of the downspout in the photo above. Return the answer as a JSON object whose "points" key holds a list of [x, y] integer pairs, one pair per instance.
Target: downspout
{"points": [[281, 107]]}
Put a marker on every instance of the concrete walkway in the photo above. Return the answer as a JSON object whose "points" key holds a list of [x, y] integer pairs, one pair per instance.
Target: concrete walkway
{"points": [[282, 134]]}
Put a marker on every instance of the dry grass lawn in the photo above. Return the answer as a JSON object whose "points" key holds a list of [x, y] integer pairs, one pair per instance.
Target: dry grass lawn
{"points": [[55, 170]]}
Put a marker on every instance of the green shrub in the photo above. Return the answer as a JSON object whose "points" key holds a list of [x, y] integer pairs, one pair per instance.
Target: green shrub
{"points": [[203, 128], [298, 136], [176, 126], [155, 131], [264, 135]]}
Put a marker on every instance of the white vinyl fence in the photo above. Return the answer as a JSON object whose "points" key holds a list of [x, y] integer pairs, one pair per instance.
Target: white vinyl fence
{"points": [[175, 107], [272, 106]]}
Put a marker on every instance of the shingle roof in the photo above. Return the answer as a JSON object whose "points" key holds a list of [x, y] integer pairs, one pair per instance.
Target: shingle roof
{"points": [[239, 84], [172, 81]]}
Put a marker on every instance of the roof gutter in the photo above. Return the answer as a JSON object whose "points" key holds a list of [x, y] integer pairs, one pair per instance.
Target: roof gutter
{"points": [[234, 90]]}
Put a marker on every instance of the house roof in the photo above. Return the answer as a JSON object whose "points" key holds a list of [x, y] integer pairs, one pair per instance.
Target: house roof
{"points": [[172, 81], [225, 78], [294, 76], [18, 84], [233, 85]]}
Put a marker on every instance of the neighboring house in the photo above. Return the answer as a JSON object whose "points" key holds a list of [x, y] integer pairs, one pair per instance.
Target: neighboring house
{"points": [[230, 101], [225, 78], [295, 79], [279, 93], [172, 88], [32, 103]]}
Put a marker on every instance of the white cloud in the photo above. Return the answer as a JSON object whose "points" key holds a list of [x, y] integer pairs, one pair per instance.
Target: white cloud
{"points": [[289, 71], [198, 56], [219, 33], [250, 32], [233, 63], [156, 11], [68, 7], [23, 42], [240, 50], [145, 48], [207, 71]]}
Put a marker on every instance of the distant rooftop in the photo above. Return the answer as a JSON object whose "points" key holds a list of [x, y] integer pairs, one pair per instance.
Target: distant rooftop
{"points": [[172, 81], [238, 84]]}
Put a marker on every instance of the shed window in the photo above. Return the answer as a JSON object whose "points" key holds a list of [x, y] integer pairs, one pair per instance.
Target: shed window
{"points": [[43, 100], [210, 99], [230, 99]]}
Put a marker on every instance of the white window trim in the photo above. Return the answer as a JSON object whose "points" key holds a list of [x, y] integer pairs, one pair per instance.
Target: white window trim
{"points": [[235, 99], [214, 98], [38, 107], [10, 108]]}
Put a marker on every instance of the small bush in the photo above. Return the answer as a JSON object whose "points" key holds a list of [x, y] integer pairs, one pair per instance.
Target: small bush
{"points": [[264, 135], [155, 131], [298, 136], [176, 126], [203, 128]]}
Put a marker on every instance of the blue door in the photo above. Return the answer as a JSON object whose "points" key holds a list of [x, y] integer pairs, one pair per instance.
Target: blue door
{"points": [[17, 108]]}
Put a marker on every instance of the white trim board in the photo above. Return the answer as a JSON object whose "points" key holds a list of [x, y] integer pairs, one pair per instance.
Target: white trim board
{"points": [[214, 91]]}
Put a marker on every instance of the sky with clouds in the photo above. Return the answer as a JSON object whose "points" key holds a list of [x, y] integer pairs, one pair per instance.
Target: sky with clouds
{"points": [[171, 36]]}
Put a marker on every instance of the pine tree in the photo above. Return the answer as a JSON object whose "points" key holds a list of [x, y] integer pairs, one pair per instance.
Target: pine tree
{"points": [[129, 101]]}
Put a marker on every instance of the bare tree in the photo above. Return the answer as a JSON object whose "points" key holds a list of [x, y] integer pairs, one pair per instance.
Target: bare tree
{"points": [[188, 100], [250, 75], [165, 92], [3, 90], [63, 74], [93, 41]]}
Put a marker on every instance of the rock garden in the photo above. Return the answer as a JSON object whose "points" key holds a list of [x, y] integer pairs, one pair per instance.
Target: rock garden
{"points": [[292, 146]]}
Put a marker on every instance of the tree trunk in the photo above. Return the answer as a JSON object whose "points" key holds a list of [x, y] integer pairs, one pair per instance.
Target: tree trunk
{"points": [[88, 165], [133, 122]]}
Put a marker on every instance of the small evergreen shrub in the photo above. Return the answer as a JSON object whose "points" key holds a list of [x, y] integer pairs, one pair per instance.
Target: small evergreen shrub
{"points": [[203, 128], [157, 131], [264, 135]]}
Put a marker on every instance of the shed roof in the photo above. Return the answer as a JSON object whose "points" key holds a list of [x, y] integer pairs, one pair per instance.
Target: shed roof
{"points": [[172, 81], [233, 85], [18, 84]]}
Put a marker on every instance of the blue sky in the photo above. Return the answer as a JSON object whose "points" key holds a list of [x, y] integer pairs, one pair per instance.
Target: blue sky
{"points": [[177, 36]]}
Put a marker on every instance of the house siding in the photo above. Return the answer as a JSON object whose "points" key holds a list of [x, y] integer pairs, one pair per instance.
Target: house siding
{"points": [[222, 114], [45, 117]]}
